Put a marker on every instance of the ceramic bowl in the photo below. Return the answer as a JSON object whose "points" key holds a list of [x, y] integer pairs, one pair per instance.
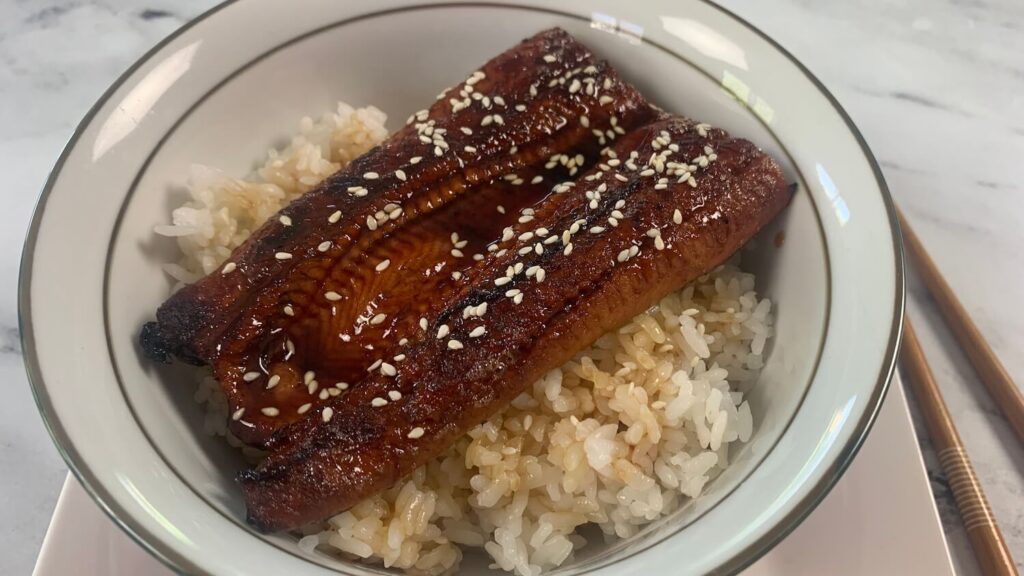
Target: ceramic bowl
{"points": [[233, 82]]}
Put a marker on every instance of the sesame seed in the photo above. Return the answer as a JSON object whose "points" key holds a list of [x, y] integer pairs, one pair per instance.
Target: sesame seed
{"points": [[334, 217], [575, 86], [400, 174], [270, 411], [677, 217], [454, 344], [481, 309], [327, 414], [324, 394], [415, 160], [597, 230], [517, 299], [550, 58], [456, 275], [378, 402], [229, 268], [237, 415], [400, 357], [274, 381], [305, 408], [371, 222], [442, 331], [332, 296], [486, 121], [502, 281], [659, 243], [341, 385], [283, 256], [387, 369], [324, 246], [284, 220], [511, 293], [540, 275], [423, 323], [383, 265], [250, 376], [371, 175], [378, 319], [501, 209], [477, 332], [623, 255], [415, 433]]}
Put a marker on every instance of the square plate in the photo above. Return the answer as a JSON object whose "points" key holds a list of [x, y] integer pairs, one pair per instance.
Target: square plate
{"points": [[879, 519]]}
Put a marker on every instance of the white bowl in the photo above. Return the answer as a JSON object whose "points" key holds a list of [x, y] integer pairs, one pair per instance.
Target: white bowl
{"points": [[230, 84]]}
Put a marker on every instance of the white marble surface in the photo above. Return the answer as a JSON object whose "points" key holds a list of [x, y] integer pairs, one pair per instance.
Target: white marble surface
{"points": [[936, 86]]}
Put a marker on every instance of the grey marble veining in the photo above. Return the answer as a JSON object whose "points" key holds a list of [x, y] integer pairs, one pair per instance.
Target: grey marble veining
{"points": [[936, 87]]}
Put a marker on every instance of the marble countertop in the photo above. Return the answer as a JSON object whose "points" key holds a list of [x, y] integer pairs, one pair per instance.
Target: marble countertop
{"points": [[936, 87]]}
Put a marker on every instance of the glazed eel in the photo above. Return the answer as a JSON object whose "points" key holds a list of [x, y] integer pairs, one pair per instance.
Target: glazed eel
{"points": [[531, 208]]}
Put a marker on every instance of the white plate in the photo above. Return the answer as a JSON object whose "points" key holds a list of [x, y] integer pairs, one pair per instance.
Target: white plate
{"points": [[224, 88], [880, 519]]}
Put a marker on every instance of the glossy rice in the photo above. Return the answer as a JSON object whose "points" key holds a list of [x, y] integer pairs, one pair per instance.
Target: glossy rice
{"points": [[626, 432]]}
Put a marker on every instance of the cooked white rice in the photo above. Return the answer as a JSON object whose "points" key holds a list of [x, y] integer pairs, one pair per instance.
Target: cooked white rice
{"points": [[624, 433]]}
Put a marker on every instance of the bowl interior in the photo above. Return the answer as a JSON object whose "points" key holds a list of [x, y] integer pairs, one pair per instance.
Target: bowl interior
{"points": [[258, 107]]}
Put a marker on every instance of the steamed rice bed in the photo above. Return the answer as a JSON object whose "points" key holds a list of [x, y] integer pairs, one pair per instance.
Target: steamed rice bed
{"points": [[624, 433]]}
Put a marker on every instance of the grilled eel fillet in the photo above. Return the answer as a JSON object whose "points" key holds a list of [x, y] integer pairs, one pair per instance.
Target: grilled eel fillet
{"points": [[355, 353]]}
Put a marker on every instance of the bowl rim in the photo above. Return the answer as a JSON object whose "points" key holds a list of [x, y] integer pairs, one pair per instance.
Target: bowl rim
{"points": [[742, 559]]}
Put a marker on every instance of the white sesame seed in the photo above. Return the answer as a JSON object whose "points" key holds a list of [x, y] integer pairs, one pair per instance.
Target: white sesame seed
{"points": [[423, 323], [454, 344], [399, 358], [341, 385], [334, 217], [387, 369], [597, 230], [415, 160], [378, 402], [250, 376], [229, 268], [378, 319], [371, 222], [486, 121], [332, 296], [270, 411], [285, 221], [383, 265], [443, 331], [324, 394], [677, 217], [371, 175], [273, 381], [481, 309], [549, 58], [311, 387], [659, 243], [540, 275], [237, 415], [400, 174], [324, 246], [456, 275], [623, 255], [477, 332], [415, 433], [305, 408], [502, 281], [327, 414], [283, 256], [518, 298]]}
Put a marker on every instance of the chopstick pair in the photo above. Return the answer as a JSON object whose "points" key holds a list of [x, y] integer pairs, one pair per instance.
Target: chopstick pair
{"points": [[982, 530]]}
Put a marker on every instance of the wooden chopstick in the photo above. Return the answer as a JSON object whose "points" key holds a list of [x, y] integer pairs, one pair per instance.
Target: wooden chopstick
{"points": [[982, 530], [991, 371]]}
